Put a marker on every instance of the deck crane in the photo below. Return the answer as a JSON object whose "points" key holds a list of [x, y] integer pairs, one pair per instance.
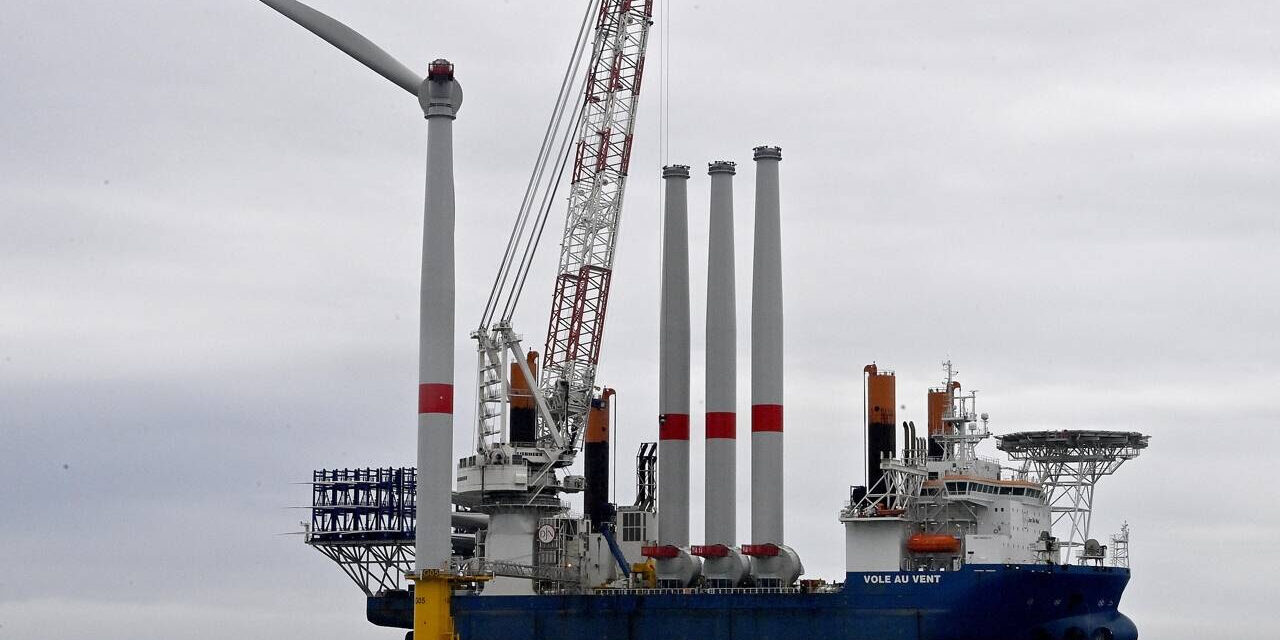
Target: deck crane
{"points": [[515, 474]]}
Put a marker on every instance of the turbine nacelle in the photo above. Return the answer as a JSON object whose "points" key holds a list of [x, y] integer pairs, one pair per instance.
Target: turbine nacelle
{"points": [[440, 94]]}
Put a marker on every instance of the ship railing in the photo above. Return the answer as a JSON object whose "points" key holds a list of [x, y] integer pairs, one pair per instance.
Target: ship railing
{"points": [[517, 570]]}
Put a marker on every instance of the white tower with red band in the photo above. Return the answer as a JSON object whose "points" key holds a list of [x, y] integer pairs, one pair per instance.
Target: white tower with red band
{"points": [[440, 98], [774, 563], [724, 565], [675, 566], [766, 355], [673, 364], [721, 363]]}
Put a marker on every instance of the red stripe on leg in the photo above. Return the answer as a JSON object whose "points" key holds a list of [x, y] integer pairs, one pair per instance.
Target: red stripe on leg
{"points": [[766, 417], [673, 426], [722, 424], [435, 398]]}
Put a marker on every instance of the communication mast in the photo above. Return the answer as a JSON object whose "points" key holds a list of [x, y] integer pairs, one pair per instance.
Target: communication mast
{"points": [[959, 436], [1069, 464], [1120, 547]]}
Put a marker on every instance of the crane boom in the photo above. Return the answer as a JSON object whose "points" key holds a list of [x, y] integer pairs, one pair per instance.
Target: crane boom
{"points": [[588, 142], [602, 154]]}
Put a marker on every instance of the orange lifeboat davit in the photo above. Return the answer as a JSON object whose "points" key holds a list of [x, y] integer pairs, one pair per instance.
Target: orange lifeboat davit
{"points": [[933, 543]]}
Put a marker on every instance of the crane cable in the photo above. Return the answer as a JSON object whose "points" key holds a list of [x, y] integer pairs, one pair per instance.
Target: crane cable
{"points": [[557, 126], [542, 185], [666, 84], [664, 116]]}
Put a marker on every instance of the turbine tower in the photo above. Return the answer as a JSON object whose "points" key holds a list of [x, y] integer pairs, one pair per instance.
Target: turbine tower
{"points": [[440, 96]]}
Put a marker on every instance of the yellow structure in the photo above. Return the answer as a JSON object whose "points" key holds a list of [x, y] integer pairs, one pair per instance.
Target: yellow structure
{"points": [[647, 571], [432, 617]]}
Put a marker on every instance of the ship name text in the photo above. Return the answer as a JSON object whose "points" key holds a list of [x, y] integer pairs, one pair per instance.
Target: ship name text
{"points": [[902, 578]]}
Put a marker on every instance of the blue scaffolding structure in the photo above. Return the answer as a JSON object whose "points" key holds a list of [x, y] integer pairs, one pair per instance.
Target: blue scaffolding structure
{"points": [[363, 519]]}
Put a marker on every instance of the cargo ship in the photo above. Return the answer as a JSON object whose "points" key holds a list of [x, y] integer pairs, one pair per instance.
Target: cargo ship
{"points": [[940, 543]]}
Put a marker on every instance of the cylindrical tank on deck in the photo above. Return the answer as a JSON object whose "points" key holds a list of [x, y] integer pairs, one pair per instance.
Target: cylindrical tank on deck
{"points": [[939, 400], [721, 466], [673, 365], [881, 416], [595, 498], [767, 363], [524, 410]]}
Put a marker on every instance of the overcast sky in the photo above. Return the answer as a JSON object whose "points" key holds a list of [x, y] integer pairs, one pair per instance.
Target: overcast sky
{"points": [[209, 242]]}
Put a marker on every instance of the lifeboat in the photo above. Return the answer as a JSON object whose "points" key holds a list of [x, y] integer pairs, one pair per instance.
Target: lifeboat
{"points": [[933, 543]]}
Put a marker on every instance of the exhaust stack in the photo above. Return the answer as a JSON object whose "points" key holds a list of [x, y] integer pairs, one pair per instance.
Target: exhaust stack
{"points": [[881, 412], [595, 499], [523, 422], [675, 567], [724, 565], [774, 564], [938, 401], [908, 443]]}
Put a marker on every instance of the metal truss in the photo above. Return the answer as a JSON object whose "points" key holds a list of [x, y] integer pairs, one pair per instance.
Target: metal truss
{"points": [[363, 519], [1120, 547], [562, 575], [602, 156], [646, 476], [897, 492], [1069, 464], [491, 378], [496, 350], [362, 504], [374, 567]]}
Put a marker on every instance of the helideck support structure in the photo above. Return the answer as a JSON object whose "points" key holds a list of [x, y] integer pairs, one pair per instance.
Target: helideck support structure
{"points": [[1069, 463]]}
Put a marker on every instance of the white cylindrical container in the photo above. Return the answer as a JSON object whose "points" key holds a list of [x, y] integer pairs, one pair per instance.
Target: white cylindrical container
{"points": [[721, 363], [673, 364], [766, 355]]}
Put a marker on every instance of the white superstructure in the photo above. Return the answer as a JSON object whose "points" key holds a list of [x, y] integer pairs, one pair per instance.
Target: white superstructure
{"points": [[940, 506], [942, 512]]}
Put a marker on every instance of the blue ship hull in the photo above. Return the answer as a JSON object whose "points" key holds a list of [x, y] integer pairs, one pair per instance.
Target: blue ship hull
{"points": [[1000, 602]]}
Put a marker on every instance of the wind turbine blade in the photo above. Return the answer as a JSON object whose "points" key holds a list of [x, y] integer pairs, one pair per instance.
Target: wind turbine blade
{"points": [[350, 42]]}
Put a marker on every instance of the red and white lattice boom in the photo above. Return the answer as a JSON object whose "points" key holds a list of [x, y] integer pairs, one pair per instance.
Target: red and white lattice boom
{"points": [[601, 157]]}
